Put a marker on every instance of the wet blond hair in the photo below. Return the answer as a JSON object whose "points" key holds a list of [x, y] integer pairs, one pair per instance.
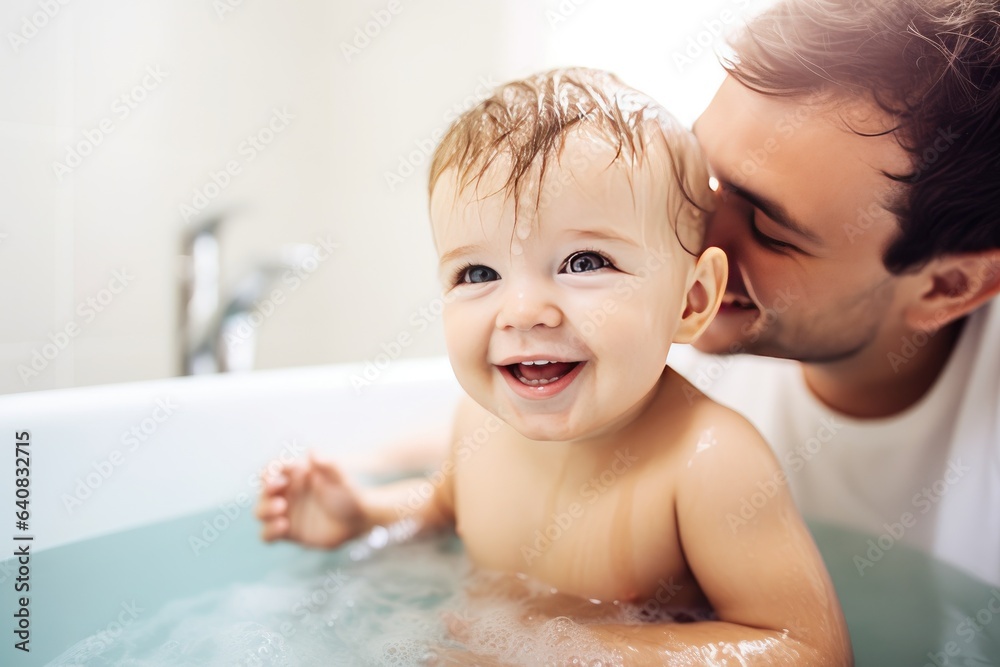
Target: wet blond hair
{"points": [[528, 120]]}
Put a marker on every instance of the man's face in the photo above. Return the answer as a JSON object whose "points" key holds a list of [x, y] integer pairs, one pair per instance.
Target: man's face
{"points": [[593, 280], [801, 217]]}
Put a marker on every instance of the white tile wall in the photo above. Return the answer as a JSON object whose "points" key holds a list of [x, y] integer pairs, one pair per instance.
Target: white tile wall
{"points": [[220, 78]]}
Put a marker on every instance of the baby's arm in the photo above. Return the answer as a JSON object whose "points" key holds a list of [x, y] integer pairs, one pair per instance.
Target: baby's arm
{"points": [[312, 502], [761, 572]]}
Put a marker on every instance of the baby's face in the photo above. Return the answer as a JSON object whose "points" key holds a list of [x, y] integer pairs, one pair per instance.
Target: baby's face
{"points": [[560, 324]]}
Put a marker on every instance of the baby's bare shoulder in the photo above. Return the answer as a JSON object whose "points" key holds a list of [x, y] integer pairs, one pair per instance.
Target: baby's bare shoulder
{"points": [[713, 431]]}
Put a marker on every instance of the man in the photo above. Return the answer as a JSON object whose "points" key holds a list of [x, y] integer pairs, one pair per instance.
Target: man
{"points": [[856, 149]]}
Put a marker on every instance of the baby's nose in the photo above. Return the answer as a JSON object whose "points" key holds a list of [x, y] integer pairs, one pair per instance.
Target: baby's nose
{"points": [[527, 306]]}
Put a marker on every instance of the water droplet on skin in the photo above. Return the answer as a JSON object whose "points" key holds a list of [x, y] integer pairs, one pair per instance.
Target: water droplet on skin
{"points": [[522, 230], [516, 249]]}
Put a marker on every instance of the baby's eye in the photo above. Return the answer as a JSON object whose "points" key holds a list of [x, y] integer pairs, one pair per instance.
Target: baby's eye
{"points": [[477, 274], [582, 262]]}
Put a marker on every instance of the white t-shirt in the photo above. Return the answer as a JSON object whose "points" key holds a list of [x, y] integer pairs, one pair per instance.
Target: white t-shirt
{"points": [[928, 477]]}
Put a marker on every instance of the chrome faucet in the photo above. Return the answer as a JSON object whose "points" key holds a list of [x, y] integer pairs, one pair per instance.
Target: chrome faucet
{"points": [[200, 269], [216, 339]]}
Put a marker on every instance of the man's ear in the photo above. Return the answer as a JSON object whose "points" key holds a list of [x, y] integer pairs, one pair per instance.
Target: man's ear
{"points": [[952, 287], [704, 295]]}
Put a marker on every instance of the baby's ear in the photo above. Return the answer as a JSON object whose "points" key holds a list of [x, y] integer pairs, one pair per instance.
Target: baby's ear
{"points": [[704, 296]]}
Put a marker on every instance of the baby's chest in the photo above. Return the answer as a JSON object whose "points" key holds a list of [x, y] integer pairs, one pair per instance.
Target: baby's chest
{"points": [[606, 535]]}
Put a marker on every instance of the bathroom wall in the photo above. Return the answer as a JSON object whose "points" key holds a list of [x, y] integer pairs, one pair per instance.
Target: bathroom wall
{"points": [[124, 124]]}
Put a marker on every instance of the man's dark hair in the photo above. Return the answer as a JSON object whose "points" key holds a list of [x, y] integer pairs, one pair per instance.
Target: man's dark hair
{"points": [[934, 66]]}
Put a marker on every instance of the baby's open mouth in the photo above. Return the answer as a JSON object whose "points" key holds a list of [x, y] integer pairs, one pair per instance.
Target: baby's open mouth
{"points": [[538, 373]]}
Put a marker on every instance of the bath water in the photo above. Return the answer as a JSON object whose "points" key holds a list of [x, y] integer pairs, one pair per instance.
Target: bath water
{"points": [[166, 594], [365, 604]]}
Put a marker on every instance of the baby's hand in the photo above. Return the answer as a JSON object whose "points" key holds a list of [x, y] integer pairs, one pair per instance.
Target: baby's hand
{"points": [[310, 502]]}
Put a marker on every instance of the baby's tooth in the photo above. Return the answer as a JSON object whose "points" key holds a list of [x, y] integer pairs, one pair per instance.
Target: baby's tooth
{"points": [[539, 382]]}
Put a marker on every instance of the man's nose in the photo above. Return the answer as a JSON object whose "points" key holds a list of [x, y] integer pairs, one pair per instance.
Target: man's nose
{"points": [[527, 304]]}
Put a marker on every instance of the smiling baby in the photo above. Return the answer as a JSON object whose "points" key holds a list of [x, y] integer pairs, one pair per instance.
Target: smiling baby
{"points": [[568, 213]]}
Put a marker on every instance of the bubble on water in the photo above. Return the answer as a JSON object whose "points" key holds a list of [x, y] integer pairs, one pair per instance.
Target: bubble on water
{"points": [[507, 623], [378, 537]]}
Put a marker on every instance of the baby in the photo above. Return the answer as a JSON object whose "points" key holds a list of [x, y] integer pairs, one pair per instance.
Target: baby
{"points": [[568, 213]]}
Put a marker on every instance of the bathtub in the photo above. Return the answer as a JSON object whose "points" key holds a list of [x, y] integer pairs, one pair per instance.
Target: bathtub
{"points": [[114, 457], [143, 492], [109, 459]]}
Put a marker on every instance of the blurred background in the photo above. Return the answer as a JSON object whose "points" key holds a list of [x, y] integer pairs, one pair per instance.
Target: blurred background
{"points": [[225, 185]]}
